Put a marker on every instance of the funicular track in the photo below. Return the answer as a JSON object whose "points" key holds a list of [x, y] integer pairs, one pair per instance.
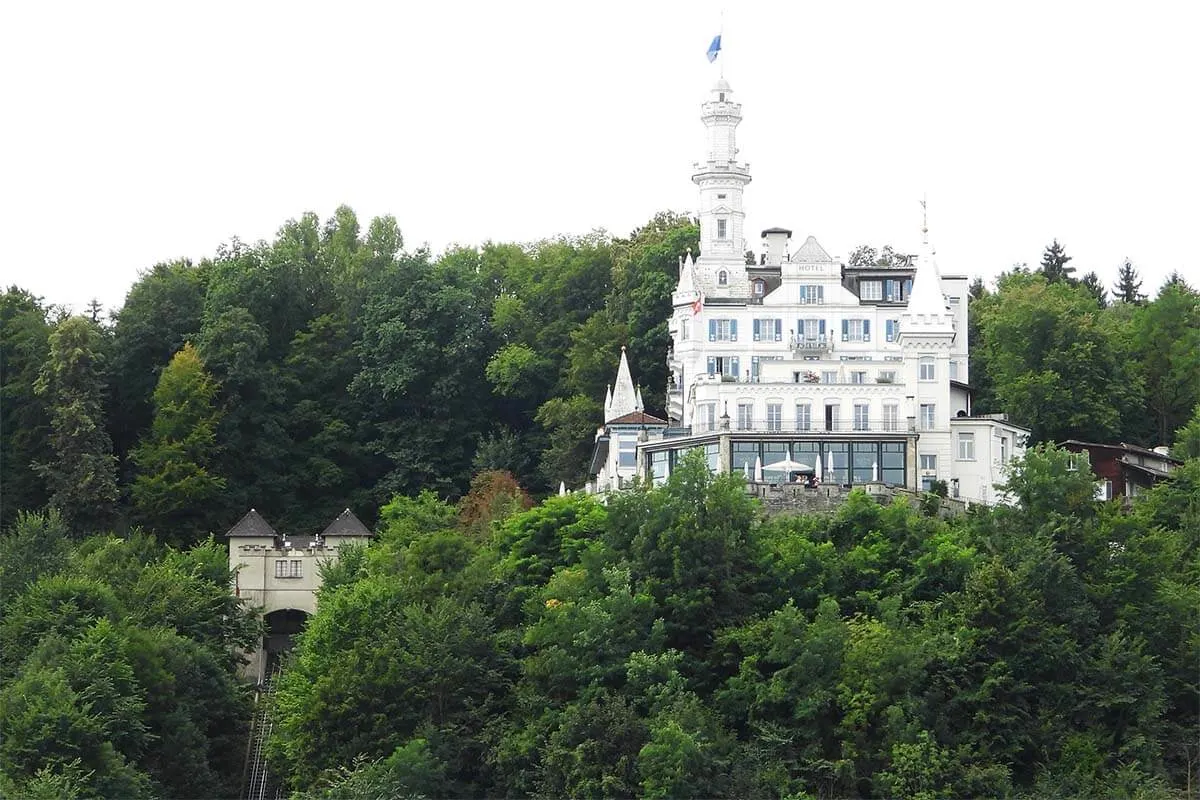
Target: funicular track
{"points": [[258, 781]]}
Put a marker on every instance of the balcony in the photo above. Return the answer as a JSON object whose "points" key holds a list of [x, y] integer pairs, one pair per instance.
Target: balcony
{"points": [[822, 428], [810, 345]]}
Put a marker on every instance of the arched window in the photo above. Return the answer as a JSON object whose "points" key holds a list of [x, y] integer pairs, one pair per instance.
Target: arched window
{"points": [[723, 278], [760, 288]]}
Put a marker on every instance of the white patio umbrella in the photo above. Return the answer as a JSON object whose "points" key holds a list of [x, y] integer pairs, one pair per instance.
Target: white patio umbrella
{"points": [[562, 489], [746, 470], [875, 471], [817, 467], [758, 478], [786, 465], [830, 466]]}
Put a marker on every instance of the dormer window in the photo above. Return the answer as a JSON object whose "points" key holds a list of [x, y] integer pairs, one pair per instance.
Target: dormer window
{"points": [[723, 278], [760, 288], [721, 225], [720, 197], [722, 97]]}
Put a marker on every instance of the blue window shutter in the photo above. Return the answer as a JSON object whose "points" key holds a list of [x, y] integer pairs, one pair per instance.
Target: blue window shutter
{"points": [[822, 327], [712, 330], [800, 332], [712, 365], [821, 294], [754, 366], [733, 367], [845, 330], [733, 330], [757, 331], [866, 330], [779, 330]]}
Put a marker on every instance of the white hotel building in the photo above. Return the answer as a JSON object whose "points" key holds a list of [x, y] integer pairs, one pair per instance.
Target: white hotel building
{"points": [[858, 374]]}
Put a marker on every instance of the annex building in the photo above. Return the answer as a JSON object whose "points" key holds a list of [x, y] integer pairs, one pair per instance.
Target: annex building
{"points": [[799, 367]]}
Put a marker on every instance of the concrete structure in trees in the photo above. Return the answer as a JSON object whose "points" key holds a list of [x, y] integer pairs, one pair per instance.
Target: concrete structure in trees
{"points": [[281, 573]]}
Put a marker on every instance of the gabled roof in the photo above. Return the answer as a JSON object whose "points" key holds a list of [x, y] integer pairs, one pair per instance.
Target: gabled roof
{"points": [[346, 524], [1122, 447], [637, 418], [252, 524], [811, 252]]}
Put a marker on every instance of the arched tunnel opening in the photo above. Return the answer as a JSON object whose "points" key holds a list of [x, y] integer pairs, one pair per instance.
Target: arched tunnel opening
{"points": [[281, 628]]}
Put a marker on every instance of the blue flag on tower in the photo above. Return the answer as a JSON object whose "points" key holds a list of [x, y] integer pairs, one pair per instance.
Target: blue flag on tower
{"points": [[714, 48]]}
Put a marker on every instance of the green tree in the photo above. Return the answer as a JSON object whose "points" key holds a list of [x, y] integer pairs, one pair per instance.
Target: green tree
{"points": [[24, 415], [162, 312], [1128, 287], [1187, 439], [175, 489], [82, 475], [1166, 336], [1054, 264], [1053, 363], [1091, 282]]}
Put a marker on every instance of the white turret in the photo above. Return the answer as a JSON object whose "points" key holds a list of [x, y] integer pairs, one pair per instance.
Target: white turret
{"points": [[721, 179], [624, 398]]}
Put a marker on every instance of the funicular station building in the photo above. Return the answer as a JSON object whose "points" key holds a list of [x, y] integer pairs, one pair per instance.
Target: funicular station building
{"points": [[800, 368]]}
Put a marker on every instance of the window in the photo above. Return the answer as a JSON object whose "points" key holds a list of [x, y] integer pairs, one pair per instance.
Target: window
{"points": [[774, 416], [928, 416], [928, 463], [1003, 449], [953, 370], [886, 376], [723, 278], [966, 447], [685, 329], [1104, 490], [891, 329], [891, 291], [722, 330], [725, 366], [627, 451], [856, 330], [832, 412], [803, 417], [745, 416], [721, 225], [891, 417], [720, 197], [858, 376], [810, 330], [812, 294], [871, 290], [760, 288], [927, 369], [862, 413], [288, 569], [768, 330], [708, 417], [829, 376]]}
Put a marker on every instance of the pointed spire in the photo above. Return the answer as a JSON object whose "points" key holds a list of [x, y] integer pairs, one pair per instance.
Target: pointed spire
{"points": [[927, 311], [624, 395], [640, 405]]}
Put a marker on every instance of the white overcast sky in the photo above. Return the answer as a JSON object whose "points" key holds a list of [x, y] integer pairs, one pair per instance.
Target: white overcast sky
{"points": [[139, 133]]}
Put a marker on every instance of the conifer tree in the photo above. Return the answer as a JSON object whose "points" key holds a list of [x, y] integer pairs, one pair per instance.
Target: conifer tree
{"points": [[1092, 283], [175, 487], [82, 477], [1054, 264], [1128, 288]]}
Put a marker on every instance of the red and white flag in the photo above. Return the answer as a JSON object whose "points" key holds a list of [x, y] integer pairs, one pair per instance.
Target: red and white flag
{"points": [[697, 304]]}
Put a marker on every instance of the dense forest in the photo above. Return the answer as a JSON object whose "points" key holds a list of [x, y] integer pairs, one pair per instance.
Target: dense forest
{"points": [[672, 642]]}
